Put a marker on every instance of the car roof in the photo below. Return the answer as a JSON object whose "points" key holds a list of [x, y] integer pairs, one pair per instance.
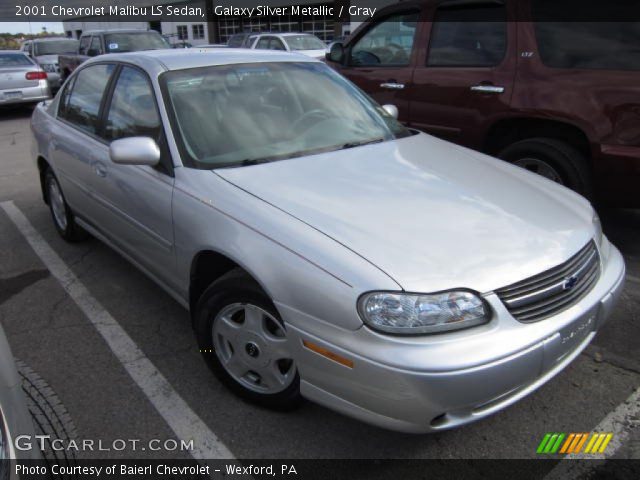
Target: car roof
{"points": [[172, 59], [17, 52], [51, 39], [116, 30], [284, 34]]}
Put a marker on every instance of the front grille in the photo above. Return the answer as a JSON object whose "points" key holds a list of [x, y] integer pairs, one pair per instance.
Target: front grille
{"points": [[557, 289]]}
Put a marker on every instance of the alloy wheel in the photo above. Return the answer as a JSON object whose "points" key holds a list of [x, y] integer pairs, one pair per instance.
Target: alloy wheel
{"points": [[252, 347], [57, 204]]}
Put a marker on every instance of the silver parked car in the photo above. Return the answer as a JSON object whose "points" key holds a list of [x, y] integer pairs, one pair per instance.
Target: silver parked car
{"points": [[324, 250], [304, 43], [21, 79], [45, 51]]}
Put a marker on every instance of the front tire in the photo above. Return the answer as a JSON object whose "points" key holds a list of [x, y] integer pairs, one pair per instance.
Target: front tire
{"points": [[244, 342], [63, 217], [554, 159]]}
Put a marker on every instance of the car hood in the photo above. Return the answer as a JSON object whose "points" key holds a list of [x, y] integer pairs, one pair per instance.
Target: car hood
{"points": [[431, 215]]}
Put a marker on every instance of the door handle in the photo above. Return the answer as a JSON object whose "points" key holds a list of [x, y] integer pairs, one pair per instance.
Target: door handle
{"points": [[487, 89], [100, 170], [392, 85]]}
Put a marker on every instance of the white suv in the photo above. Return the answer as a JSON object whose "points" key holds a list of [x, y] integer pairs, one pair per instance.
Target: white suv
{"points": [[304, 43]]}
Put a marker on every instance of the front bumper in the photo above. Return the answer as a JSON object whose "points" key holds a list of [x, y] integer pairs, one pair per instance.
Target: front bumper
{"points": [[430, 383]]}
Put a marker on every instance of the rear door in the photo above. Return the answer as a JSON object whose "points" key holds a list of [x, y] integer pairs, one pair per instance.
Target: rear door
{"points": [[76, 145], [381, 59], [465, 80]]}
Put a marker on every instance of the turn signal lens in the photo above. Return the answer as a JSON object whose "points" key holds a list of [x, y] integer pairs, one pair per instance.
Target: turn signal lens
{"points": [[328, 353], [36, 76]]}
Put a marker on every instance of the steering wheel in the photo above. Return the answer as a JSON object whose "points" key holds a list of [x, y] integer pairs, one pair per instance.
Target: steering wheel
{"points": [[316, 113]]}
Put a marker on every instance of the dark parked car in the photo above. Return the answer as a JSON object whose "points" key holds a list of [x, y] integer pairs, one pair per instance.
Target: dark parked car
{"points": [[98, 42], [557, 98]]}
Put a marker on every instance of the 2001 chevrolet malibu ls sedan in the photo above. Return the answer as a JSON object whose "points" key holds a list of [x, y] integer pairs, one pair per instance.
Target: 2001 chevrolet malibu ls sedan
{"points": [[324, 250]]}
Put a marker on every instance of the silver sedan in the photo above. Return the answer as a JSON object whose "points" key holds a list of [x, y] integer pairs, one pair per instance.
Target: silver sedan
{"points": [[21, 79], [324, 250]]}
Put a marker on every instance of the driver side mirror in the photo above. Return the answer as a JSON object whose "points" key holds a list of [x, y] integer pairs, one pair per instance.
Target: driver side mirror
{"points": [[93, 52], [391, 110], [135, 151], [336, 52]]}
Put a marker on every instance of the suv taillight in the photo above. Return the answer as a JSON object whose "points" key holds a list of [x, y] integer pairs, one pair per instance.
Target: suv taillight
{"points": [[36, 76]]}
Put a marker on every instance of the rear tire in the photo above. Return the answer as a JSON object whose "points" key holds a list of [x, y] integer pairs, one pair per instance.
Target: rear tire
{"points": [[63, 217], [553, 159], [253, 362]]}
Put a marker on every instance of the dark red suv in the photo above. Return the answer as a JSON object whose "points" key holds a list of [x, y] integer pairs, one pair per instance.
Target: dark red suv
{"points": [[561, 98]]}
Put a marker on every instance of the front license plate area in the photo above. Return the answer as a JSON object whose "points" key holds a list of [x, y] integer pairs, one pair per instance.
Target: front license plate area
{"points": [[569, 338]]}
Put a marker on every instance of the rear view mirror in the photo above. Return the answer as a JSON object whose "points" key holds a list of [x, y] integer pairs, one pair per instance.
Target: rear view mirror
{"points": [[135, 151], [391, 110], [336, 52], [93, 52]]}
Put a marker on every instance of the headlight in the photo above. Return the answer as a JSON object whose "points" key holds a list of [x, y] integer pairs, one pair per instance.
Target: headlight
{"points": [[597, 225], [48, 67], [411, 314]]}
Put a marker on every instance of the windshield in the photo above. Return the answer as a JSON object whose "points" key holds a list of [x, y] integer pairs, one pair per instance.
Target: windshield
{"points": [[14, 60], [304, 42], [133, 42], [56, 47], [232, 115]]}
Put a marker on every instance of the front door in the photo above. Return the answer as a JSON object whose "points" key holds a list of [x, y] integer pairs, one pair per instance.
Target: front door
{"points": [[135, 201], [380, 59]]}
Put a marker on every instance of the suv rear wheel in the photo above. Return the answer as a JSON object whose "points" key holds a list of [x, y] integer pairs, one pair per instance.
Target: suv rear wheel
{"points": [[553, 159]]}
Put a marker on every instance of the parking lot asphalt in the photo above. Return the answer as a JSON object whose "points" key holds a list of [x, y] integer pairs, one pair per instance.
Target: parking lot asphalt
{"points": [[48, 331]]}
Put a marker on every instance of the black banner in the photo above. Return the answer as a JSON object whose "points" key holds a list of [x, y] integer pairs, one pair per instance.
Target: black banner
{"points": [[354, 10], [323, 469]]}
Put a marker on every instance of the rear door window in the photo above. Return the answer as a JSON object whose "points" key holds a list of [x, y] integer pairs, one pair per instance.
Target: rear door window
{"points": [[586, 45], [468, 36], [82, 108]]}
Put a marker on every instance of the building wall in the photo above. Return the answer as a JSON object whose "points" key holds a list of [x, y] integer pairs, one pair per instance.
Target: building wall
{"points": [[72, 28], [171, 29], [219, 30]]}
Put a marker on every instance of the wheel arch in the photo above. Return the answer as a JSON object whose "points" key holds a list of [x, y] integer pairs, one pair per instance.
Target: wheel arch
{"points": [[209, 265], [507, 131]]}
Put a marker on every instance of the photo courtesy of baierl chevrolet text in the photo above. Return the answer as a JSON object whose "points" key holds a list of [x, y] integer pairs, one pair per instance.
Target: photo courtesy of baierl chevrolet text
{"points": [[319, 239]]}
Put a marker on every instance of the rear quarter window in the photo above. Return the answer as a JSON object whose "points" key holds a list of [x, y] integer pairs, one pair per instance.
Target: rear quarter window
{"points": [[586, 45]]}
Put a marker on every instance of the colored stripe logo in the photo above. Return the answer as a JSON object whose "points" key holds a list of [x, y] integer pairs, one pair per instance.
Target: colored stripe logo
{"points": [[595, 442]]}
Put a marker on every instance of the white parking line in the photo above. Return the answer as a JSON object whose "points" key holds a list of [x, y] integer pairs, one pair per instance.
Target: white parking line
{"points": [[619, 422], [175, 411]]}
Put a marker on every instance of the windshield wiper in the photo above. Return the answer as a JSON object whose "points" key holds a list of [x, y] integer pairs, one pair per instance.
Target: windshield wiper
{"points": [[363, 142], [244, 163]]}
